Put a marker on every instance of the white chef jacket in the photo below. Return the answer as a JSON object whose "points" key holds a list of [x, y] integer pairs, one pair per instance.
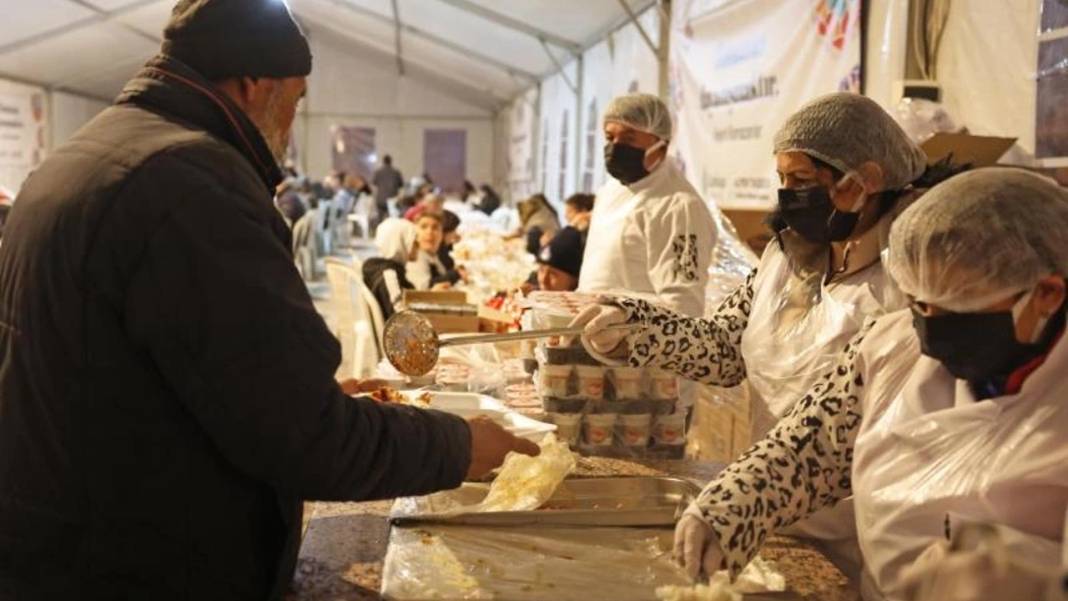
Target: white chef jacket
{"points": [[652, 239]]}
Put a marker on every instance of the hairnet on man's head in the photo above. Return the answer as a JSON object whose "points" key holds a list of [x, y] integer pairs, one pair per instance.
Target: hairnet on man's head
{"points": [[847, 130], [980, 237], [643, 112]]}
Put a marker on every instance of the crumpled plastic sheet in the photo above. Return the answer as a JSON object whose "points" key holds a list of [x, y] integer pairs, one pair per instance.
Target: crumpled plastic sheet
{"points": [[732, 260], [760, 576], [526, 483], [527, 564]]}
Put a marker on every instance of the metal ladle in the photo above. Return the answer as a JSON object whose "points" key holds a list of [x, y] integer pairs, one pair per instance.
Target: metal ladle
{"points": [[412, 345]]}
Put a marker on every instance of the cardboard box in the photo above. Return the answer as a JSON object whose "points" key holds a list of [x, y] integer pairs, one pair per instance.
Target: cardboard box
{"points": [[750, 226], [495, 322], [447, 310], [980, 151]]}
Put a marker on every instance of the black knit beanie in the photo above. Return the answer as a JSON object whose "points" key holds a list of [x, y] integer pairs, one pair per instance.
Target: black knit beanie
{"points": [[564, 252], [237, 38]]}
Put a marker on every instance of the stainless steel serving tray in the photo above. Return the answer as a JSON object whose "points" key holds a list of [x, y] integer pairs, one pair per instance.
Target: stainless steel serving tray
{"points": [[633, 501]]}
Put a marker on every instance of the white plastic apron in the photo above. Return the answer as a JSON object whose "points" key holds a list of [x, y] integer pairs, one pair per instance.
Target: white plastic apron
{"points": [[935, 452], [796, 334]]}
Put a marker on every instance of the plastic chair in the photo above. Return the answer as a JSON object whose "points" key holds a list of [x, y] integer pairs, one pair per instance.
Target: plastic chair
{"points": [[339, 274], [304, 246], [323, 241], [378, 321]]}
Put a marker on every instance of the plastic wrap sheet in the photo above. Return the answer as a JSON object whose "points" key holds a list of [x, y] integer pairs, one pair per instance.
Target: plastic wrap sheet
{"points": [[458, 562], [525, 483], [732, 260], [921, 118]]}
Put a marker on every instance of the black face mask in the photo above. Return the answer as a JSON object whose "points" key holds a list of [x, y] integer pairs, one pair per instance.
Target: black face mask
{"points": [[810, 213], [977, 347], [625, 163]]}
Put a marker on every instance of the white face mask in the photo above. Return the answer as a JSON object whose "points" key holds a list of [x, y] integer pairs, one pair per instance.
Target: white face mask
{"points": [[1017, 311], [654, 148], [853, 175]]}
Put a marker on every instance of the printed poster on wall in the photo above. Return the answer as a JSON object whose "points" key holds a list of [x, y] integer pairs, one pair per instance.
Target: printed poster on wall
{"points": [[739, 68], [22, 136]]}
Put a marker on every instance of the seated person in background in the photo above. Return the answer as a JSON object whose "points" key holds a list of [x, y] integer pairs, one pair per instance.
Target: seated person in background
{"points": [[405, 202], [560, 261], [386, 275], [535, 213], [289, 203], [425, 271], [577, 211], [449, 224], [490, 201], [470, 195], [347, 195], [428, 203]]}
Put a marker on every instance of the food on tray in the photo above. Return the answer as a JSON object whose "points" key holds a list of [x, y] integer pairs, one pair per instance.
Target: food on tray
{"points": [[525, 483], [387, 394], [760, 576]]}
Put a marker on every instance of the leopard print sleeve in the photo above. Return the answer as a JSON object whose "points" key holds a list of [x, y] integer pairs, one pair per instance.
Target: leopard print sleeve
{"points": [[803, 465], [702, 350]]}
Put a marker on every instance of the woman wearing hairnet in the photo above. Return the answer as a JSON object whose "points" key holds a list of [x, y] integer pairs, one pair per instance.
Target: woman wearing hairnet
{"points": [[948, 413]]}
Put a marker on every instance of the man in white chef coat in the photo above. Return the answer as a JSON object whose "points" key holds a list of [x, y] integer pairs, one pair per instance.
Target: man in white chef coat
{"points": [[650, 235]]}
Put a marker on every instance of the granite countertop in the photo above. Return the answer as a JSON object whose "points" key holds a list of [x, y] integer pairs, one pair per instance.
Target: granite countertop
{"points": [[345, 543]]}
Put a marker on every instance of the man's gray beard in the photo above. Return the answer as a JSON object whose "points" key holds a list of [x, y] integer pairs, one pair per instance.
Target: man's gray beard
{"points": [[277, 141]]}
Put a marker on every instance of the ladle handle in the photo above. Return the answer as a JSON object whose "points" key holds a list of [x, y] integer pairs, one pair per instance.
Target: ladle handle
{"points": [[531, 335]]}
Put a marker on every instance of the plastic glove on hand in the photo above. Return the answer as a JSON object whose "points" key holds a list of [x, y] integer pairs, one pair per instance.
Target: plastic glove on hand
{"points": [[696, 547], [595, 321]]}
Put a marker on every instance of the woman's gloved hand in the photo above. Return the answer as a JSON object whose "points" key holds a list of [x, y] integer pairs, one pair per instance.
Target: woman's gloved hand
{"points": [[595, 319], [697, 549]]}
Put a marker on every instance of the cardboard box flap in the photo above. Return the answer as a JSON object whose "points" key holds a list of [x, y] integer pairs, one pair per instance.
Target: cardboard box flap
{"points": [[445, 297], [980, 151]]}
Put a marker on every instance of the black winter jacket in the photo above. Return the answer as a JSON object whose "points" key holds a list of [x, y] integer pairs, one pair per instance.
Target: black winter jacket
{"points": [[374, 274], [167, 393]]}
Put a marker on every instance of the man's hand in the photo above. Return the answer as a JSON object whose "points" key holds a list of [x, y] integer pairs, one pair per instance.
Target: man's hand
{"points": [[442, 286], [489, 445], [351, 386]]}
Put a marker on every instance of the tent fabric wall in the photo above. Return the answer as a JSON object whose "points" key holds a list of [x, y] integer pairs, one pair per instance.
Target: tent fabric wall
{"points": [[69, 113], [363, 89], [887, 37], [558, 106], [518, 143], [62, 115], [987, 69], [620, 64]]}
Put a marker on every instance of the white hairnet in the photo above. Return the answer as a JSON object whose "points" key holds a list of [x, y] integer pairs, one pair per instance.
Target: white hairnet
{"points": [[395, 238], [847, 130], [643, 112], [980, 237]]}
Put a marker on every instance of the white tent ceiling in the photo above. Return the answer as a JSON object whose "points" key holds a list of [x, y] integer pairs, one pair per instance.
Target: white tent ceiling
{"points": [[491, 49]]}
